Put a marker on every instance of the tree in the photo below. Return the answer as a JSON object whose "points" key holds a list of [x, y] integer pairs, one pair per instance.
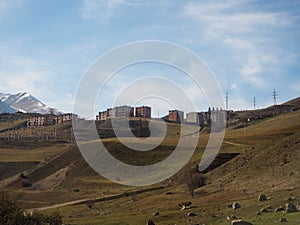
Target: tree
{"points": [[10, 214], [194, 180]]}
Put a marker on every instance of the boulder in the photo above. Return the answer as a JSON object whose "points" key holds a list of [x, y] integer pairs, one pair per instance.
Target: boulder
{"points": [[240, 222], [262, 197], [156, 214], [236, 205], [190, 214], [150, 222], [289, 208], [281, 220], [185, 207], [279, 209], [264, 209], [232, 217]]}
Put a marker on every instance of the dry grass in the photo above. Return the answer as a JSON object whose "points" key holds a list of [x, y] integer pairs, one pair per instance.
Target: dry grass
{"points": [[268, 162]]}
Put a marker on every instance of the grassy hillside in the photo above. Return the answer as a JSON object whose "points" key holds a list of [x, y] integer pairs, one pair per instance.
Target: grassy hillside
{"points": [[268, 162], [267, 155]]}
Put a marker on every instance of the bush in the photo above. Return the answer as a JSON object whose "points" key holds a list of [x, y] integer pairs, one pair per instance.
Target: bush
{"points": [[10, 214], [194, 180]]}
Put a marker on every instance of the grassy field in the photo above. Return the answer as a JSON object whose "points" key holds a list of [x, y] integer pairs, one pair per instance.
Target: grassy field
{"points": [[267, 161]]}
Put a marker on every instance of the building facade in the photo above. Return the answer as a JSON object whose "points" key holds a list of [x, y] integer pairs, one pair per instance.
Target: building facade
{"points": [[143, 112], [48, 120], [218, 116], [193, 117], [176, 116], [124, 111]]}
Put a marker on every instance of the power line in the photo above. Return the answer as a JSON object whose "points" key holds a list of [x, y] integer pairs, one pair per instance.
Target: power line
{"points": [[274, 94], [226, 100]]}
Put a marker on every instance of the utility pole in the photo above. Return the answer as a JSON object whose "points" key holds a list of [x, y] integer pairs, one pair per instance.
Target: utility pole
{"points": [[226, 97], [254, 103], [140, 127], [274, 94], [227, 111]]}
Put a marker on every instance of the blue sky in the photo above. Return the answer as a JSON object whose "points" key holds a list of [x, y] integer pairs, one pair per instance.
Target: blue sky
{"points": [[250, 46]]}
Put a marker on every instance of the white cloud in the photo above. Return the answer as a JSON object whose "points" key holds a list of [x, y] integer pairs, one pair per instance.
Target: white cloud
{"points": [[248, 31], [232, 18], [233, 86], [239, 44], [251, 70], [28, 80], [101, 10]]}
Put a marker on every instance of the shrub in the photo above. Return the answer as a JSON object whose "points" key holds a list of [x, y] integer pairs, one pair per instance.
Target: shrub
{"points": [[10, 214], [194, 180]]}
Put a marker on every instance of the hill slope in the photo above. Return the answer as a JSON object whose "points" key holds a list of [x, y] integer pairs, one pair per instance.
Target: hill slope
{"points": [[268, 162]]}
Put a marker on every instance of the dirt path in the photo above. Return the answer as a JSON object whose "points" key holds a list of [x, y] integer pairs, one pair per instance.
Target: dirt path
{"points": [[236, 144], [96, 199]]}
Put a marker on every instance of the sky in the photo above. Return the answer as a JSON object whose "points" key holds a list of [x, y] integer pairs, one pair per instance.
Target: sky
{"points": [[251, 47]]}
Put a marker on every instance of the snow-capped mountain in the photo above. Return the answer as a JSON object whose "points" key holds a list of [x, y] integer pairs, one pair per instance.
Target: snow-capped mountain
{"points": [[4, 108], [23, 102]]}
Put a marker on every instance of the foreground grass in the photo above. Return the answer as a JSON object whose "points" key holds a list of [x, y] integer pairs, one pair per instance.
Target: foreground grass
{"points": [[268, 154]]}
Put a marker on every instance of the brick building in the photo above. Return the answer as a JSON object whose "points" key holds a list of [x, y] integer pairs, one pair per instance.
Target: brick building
{"points": [[116, 112], [143, 111], [176, 116], [48, 120]]}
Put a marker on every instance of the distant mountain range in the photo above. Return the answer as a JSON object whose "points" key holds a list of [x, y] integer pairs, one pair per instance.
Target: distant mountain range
{"points": [[22, 102]]}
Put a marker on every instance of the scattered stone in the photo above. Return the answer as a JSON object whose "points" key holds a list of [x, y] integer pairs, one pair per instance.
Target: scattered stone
{"points": [[104, 213], [279, 209], [231, 217], [289, 208], [298, 206], [185, 205], [282, 220], [258, 213], [236, 205], [22, 176], [240, 222], [150, 222], [169, 193], [156, 214], [269, 207], [290, 199], [264, 209], [190, 214], [262, 197]]}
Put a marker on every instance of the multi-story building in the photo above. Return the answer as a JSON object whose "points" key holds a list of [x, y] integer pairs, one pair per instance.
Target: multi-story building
{"points": [[199, 118], [218, 116], [176, 116], [36, 121], [48, 120], [193, 117], [116, 112], [111, 113], [102, 115], [143, 111], [124, 111]]}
